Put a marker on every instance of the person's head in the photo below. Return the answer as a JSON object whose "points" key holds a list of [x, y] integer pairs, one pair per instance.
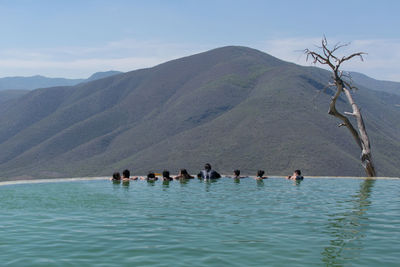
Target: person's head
{"points": [[297, 172], [151, 175], [207, 166], [116, 176], [260, 173], [183, 172], [236, 172], [126, 173], [165, 174]]}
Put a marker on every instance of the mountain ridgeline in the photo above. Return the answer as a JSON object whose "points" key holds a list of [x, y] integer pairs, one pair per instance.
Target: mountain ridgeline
{"points": [[38, 81], [234, 107], [14, 87]]}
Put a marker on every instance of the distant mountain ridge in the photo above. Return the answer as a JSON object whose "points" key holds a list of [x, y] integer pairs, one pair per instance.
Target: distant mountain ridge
{"points": [[102, 75], [377, 85], [234, 107], [38, 81]]}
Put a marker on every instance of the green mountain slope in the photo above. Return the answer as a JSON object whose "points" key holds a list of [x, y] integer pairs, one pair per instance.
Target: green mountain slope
{"points": [[101, 75], [6, 95], [377, 85], [235, 107]]}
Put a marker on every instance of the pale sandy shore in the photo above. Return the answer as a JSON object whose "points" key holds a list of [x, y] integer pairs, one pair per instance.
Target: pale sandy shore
{"points": [[56, 180]]}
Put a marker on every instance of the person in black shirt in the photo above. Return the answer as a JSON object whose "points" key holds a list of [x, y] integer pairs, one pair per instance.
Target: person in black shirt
{"points": [[166, 176], [208, 173], [296, 176]]}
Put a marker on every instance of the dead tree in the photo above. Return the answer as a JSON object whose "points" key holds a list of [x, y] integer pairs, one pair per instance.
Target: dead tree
{"points": [[327, 56]]}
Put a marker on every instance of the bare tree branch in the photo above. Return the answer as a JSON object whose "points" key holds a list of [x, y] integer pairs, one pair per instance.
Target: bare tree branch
{"points": [[334, 62], [359, 54], [350, 86]]}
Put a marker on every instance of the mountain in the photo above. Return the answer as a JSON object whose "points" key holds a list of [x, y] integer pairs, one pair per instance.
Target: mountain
{"points": [[33, 82], [234, 107], [38, 81], [101, 75], [6, 95], [377, 85]]}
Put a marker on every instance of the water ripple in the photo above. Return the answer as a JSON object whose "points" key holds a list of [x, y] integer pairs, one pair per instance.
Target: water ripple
{"points": [[330, 222]]}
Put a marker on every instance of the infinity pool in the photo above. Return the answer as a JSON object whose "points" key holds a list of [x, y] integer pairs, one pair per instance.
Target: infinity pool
{"points": [[275, 222]]}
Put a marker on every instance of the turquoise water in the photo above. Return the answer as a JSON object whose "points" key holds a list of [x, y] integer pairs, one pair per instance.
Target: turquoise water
{"points": [[275, 222]]}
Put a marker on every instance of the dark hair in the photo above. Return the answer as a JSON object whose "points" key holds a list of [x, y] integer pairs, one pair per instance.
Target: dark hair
{"points": [[207, 166], [116, 176], [236, 172], [151, 175], [260, 173], [126, 173], [184, 174], [165, 173], [298, 172]]}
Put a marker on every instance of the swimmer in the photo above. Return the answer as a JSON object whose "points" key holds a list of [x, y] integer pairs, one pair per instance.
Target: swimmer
{"points": [[208, 173], [183, 174], [166, 176], [236, 175], [296, 175], [260, 175], [125, 175], [151, 177], [116, 177]]}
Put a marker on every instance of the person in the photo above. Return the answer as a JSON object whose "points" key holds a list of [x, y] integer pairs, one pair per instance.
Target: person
{"points": [[183, 174], [116, 177], [236, 175], [166, 176], [151, 177], [296, 175], [260, 175], [208, 173], [125, 175]]}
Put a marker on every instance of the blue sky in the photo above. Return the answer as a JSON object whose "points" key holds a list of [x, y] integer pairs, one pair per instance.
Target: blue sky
{"points": [[77, 38]]}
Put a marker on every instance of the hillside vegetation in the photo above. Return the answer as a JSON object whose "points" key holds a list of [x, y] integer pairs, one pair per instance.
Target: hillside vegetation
{"points": [[234, 107]]}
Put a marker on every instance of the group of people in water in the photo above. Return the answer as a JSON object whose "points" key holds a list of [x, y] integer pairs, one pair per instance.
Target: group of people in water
{"points": [[207, 173]]}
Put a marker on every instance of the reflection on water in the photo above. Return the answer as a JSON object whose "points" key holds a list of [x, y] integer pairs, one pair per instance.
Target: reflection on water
{"points": [[208, 183], [322, 222], [297, 182], [150, 182], [347, 228], [165, 184], [125, 183], [116, 185], [236, 180], [183, 182]]}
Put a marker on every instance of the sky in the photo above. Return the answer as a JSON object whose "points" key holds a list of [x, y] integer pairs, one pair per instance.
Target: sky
{"points": [[74, 39]]}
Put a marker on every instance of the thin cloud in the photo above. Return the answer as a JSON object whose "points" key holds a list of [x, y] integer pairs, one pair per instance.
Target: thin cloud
{"points": [[130, 54], [79, 61], [76, 68], [381, 61]]}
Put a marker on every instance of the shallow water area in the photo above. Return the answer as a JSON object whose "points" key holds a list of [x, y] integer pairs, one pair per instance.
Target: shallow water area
{"points": [[276, 222]]}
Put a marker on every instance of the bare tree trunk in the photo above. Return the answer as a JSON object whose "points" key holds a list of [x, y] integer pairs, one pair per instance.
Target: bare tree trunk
{"points": [[366, 156], [360, 136]]}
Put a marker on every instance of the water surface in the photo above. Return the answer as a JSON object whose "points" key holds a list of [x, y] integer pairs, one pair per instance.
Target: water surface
{"points": [[276, 222]]}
